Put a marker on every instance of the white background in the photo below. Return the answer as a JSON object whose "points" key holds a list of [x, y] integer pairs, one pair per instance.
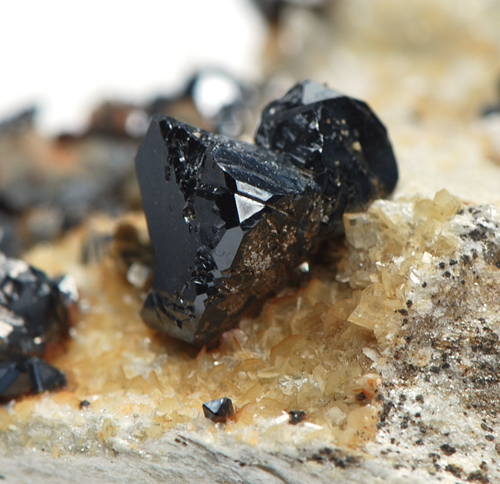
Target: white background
{"points": [[67, 56]]}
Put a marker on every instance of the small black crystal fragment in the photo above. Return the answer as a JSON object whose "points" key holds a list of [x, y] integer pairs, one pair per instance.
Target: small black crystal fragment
{"points": [[218, 410], [33, 312], [28, 376], [229, 221], [296, 416]]}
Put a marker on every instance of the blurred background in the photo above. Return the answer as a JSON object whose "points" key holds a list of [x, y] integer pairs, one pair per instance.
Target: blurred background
{"points": [[78, 84], [66, 59]]}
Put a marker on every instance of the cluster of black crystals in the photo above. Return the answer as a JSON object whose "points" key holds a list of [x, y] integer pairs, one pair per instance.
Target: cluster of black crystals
{"points": [[229, 220], [33, 313]]}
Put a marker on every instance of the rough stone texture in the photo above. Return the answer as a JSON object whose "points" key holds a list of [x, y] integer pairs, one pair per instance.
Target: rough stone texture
{"points": [[229, 221], [186, 458], [414, 284], [429, 271]]}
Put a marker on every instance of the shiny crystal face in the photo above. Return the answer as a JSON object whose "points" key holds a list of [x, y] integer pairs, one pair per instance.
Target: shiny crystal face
{"points": [[218, 410], [33, 312], [336, 137], [230, 220]]}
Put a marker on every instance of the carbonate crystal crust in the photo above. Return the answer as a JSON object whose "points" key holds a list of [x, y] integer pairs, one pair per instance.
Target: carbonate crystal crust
{"points": [[230, 220]]}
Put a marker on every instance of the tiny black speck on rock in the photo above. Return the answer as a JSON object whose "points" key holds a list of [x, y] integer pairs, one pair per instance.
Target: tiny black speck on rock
{"points": [[478, 476], [84, 404], [455, 470], [448, 449]]}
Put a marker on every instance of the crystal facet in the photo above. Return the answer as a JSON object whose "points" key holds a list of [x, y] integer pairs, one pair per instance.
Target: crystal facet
{"points": [[296, 416], [229, 220], [218, 410], [338, 138], [33, 312]]}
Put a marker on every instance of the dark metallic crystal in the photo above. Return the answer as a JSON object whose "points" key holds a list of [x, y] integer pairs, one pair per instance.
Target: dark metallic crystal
{"points": [[218, 410], [296, 416], [33, 312], [229, 220], [339, 139], [28, 376]]}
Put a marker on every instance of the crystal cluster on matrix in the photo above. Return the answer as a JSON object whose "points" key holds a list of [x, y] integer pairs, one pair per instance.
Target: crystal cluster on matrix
{"points": [[425, 274], [33, 313], [230, 220]]}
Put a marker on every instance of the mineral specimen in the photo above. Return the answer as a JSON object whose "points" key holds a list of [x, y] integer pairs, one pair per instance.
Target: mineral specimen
{"points": [[229, 220], [33, 312], [218, 410], [296, 416], [338, 139]]}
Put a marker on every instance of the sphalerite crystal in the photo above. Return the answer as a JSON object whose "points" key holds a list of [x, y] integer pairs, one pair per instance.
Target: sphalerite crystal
{"points": [[230, 220], [33, 312], [296, 416], [218, 410]]}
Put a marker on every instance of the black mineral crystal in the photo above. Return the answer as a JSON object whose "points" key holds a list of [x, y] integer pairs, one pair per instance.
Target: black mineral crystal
{"points": [[229, 221], [33, 312], [296, 416], [218, 410]]}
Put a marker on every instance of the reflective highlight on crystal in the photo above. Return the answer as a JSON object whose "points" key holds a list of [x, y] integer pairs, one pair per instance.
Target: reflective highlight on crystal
{"points": [[33, 312], [218, 410], [230, 221]]}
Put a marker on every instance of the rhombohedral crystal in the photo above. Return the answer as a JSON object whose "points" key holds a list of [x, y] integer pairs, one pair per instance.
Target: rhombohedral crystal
{"points": [[230, 220]]}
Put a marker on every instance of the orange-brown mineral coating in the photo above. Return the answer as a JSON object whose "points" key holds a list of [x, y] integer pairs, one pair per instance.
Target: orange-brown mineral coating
{"points": [[299, 354]]}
